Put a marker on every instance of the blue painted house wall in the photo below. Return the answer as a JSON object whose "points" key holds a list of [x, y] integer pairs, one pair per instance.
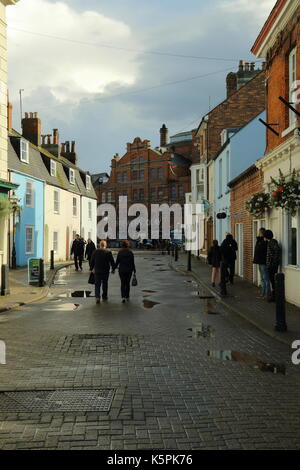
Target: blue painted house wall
{"points": [[29, 216], [243, 149]]}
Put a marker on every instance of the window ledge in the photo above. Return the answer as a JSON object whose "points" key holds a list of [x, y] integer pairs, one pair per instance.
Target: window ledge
{"points": [[293, 267], [289, 130]]}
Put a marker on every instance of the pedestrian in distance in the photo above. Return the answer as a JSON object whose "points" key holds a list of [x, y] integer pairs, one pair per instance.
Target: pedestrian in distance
{"points": [[273, 260], [214, 258], [229, 248], [89, 250], [101, 262], [126, 265], [260, 258], [77, 250]]}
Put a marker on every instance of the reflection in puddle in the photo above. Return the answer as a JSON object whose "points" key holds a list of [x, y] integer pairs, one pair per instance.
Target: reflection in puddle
{"points": [[62, 307], [78, 293], [204, 331], [149, 303], [149, 291], [236, 356]]}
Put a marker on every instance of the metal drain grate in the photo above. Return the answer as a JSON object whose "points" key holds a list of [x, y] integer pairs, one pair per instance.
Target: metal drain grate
{"points": [[57, 400]]}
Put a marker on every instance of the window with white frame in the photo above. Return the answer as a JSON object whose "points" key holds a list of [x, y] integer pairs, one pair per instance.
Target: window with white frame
{"points": [[29, 196], [72, 176], [220, 177], [52, 168], [200, 183], [24, 151], [90, 212], [56, 201], [74, 207], [109, 198], [88, 182], [29, 240], [227, 167], [293, 233], [103, 197], [55, 241], [293, 85]]}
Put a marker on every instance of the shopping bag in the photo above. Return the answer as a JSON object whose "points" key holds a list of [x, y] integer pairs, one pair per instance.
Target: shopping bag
{"points": [[91, 279], [134, 281]]}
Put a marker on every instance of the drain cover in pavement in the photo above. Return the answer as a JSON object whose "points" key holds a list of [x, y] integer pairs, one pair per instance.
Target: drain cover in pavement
{"points": [[57, 400]]}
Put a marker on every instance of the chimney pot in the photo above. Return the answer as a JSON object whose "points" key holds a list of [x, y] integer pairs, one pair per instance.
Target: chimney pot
{"points": [[55, 137], [73, 149], [63, 148], [241, 66], [26, 116]]}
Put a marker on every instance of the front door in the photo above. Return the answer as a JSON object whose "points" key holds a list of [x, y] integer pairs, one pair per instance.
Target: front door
{"points": [[239, 236]]}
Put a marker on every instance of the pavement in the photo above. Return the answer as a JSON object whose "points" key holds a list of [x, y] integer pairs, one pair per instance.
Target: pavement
{"points": [[21, 293], [243, 299], [169, 376]]}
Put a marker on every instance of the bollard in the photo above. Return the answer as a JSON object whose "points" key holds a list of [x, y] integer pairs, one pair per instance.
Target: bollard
{"points": [[224, 275], [173, 250], [52, 259], [14, 257], [176, 253], [189, 263], [5, 280], [41, 273], [280, 303]]}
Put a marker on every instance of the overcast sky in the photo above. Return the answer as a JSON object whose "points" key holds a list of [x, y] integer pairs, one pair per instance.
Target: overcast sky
{"points": [[104, 97]]}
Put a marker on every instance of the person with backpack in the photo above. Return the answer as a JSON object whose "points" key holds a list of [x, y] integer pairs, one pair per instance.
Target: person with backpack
{"points": [[214, 258], [260, 258], [273, 260], [229, 248], [101, 262], [126, 265]]}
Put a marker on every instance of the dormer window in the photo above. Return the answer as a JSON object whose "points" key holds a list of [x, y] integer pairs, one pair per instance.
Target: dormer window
{"points": [[72, 176], [88, 182], [52, 168], [24, 151]]}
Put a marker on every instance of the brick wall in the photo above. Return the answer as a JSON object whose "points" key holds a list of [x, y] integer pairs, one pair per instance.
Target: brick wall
{"points": [[278, 79], [248, 184]]}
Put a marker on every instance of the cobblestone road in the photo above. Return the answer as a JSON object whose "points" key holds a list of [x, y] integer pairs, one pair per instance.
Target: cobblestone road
{"points": [[167, 392]]}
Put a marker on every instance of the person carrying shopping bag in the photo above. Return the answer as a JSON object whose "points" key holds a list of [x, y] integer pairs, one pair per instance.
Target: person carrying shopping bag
{"points": [[126, 265]]}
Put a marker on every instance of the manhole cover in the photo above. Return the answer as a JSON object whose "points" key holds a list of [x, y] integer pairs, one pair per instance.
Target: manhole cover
{"points": [[57, 400], [96, 343]]}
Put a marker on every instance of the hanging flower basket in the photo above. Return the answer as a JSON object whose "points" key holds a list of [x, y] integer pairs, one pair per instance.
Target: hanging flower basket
{"points": [[259, 204], [286, 193]]}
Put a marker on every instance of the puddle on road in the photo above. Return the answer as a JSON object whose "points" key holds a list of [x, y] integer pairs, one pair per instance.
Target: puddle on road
{"points": [[63, 308], [149, 291], [203, 331], [85, 294], [150, 303], [237, 356]]}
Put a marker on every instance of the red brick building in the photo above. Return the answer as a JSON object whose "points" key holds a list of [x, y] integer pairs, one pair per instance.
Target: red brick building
{"points": [[279, 43], [147, 175], [242, 187]]}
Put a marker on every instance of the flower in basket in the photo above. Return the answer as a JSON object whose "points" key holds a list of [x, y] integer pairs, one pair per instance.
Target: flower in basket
{"points": [[286, 193], [258, 204]]}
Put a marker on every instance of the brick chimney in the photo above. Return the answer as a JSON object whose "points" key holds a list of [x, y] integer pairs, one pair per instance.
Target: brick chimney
{"points": [[51, 143], [32, 128], [245, 73], [69, 151], [9, 116], [163, 135], [231, 84]]}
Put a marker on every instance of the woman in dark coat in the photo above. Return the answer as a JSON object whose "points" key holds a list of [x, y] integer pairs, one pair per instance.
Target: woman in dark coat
{"points": [[126, 265], [229, 248], [214, 259], [89, 250], [260, 258]]}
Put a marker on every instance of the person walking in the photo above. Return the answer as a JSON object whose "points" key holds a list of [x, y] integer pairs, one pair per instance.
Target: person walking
{"points": [[78, 251], [260, 258], [101, 262], [214, 259], [89, 250], [126, 265], [229, 248], [273, 260]]}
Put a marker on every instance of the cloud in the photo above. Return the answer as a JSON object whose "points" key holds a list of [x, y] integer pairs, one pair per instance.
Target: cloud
{"points": [[69, 71]]}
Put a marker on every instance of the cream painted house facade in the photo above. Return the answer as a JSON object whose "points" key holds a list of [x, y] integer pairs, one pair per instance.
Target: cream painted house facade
{"points": [[4, 185]]}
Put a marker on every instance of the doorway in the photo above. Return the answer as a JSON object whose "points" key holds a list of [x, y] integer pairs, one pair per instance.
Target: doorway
{"points": [[239, 236]]}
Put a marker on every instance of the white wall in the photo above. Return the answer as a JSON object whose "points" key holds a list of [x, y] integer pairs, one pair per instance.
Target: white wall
{"points": [[88, 225]]}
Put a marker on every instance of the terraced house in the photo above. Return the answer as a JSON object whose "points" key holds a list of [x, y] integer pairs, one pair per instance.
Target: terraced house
{"points": [[57, 198]]}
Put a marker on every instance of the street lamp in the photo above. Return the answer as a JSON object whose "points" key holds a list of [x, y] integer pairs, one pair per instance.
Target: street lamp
{"points": [[16, 219]]}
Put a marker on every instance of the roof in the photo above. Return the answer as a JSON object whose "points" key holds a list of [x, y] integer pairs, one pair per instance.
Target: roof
{"points": [[251, 170], [180, 160], [41, 167]]}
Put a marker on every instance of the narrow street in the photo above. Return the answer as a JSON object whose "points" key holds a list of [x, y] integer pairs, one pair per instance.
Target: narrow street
{"points": [[139, 375]]}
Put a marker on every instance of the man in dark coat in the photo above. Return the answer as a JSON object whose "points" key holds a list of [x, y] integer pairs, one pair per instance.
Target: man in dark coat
{"points": [[78, 251], [273, 260], [260, 258], [89, 249], [229, 248], [101, 262]]}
